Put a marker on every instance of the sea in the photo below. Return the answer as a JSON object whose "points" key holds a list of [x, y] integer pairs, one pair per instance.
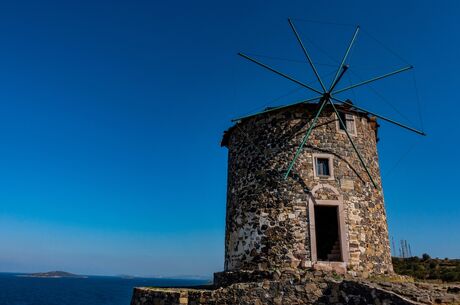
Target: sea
{"points": [[93, 290]]}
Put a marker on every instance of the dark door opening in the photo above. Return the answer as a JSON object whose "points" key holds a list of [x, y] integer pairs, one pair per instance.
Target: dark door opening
{"points": [[327, 233]]}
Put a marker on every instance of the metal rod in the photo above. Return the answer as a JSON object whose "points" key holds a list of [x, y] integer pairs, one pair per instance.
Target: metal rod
{"points": [[344, 69], [306, 54], [275, 108], [279, 73], [345, 57], [344, 126], [373, 79], [381, 117], [305, 138]]}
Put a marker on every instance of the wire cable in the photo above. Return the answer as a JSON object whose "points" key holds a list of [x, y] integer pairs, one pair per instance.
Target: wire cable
{"points": [[384, 99], [419, 104], [323, 22], [385, 46], [288, 59], [403, 156]]}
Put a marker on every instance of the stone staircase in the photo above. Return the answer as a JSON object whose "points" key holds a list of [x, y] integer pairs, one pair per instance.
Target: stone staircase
{"points": [[335, 254]]}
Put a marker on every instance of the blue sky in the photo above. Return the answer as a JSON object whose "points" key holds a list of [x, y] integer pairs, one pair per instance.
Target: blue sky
{"points": [[111, 114]]}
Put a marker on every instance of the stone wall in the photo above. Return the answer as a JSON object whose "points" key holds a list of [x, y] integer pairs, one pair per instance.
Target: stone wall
{"points": [[314, 289], [268, 218], [268, 293]]}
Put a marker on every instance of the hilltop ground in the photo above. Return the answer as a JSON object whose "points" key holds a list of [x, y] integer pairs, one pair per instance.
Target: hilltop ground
{"points": [[428, 269]]}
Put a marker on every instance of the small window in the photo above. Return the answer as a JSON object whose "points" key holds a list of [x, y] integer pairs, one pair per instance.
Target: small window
{"points": [[322, 167], [349, 121]]}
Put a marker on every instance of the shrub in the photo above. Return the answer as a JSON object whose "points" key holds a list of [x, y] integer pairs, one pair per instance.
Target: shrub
{"points": [[428, 268]]}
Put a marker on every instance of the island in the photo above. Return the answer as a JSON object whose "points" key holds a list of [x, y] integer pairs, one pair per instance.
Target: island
{"points": [[126, 276], [53, 274]]}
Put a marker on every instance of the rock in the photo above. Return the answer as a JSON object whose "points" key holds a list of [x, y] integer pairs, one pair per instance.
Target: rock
{"points": [[453, 289]]}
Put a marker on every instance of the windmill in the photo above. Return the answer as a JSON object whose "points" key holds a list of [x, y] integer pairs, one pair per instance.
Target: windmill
{"points": [[327, 95]]}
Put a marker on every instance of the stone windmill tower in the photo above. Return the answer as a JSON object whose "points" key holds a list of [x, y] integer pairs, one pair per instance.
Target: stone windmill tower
{"points": [[304, 187]]}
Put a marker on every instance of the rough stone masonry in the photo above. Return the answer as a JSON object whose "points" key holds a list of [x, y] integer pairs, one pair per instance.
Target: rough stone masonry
{"points": [[310, 288], [270, 221], [313, 238]]}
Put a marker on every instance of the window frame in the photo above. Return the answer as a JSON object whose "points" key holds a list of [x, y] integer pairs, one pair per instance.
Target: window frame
{"points": [[330, 158], [352, 133]]}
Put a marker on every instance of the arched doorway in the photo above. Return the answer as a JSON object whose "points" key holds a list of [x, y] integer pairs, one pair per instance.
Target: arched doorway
{"points": [[328, 238]]}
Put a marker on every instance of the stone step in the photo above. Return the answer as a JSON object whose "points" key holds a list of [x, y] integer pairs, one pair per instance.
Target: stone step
{"points": [[335, 253], [333, 257], [335, 248]]}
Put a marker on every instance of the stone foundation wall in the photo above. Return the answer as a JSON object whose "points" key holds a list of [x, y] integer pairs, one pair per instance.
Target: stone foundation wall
{"points": [[268, 218], [305, 291], [270, 293]]}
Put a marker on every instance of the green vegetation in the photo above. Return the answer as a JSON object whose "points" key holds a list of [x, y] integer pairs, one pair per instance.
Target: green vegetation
{"points": [[427, 268]]}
